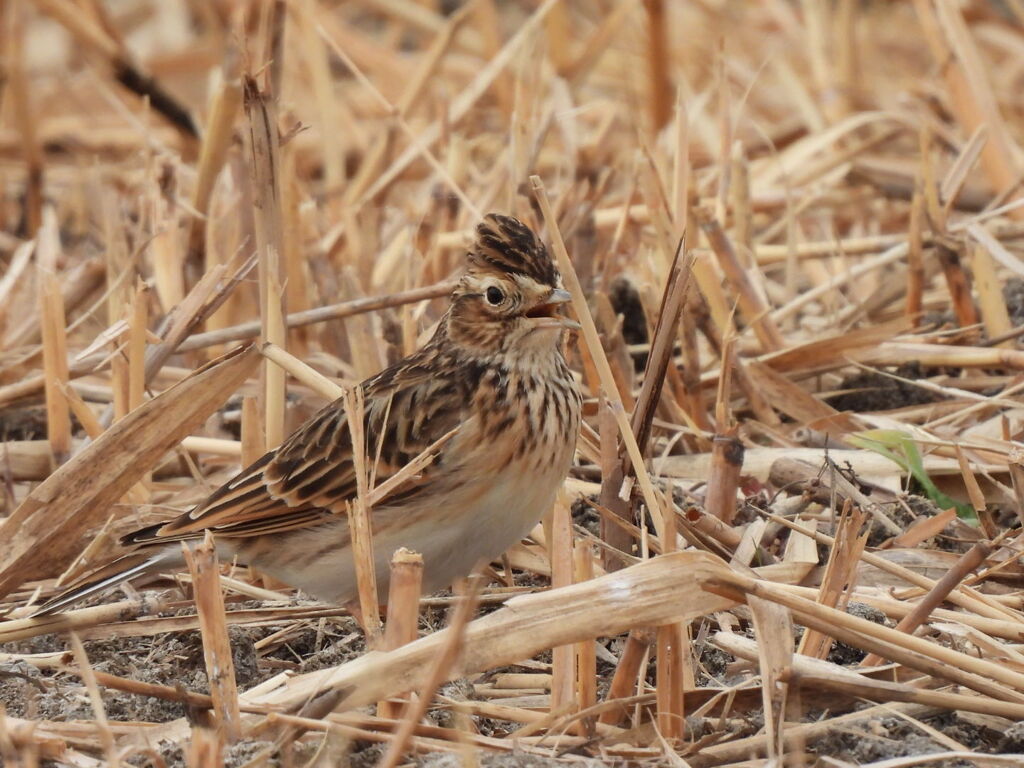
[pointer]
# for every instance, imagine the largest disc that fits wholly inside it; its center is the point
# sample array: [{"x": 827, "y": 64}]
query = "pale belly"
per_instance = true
[{"x": 476, "y": 524}]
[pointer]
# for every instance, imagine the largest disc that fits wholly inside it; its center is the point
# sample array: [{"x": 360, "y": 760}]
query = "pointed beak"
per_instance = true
[{"x": 546, "y": 315}]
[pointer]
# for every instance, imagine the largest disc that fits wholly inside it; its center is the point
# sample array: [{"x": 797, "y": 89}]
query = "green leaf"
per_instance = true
[{"x": 900, "y": 448}]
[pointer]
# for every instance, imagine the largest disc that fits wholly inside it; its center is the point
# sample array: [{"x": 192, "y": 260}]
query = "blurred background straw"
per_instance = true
[{"x": 794, "y": 234}]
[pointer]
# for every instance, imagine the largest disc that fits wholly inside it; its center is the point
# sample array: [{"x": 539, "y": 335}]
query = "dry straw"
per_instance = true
[{"x": 794, "y": 245}]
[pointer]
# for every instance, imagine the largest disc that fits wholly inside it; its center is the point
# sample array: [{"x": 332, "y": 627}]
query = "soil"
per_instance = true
[
  {"x": 841, "y": 653},
  {"x": 27, "y": 423},
  {"x": 1013, "y": 295},
  {"x": 171, "y": 659},
  {"x": 625, "y": 299},
  {"x": 177, "y": 658},
  {"x": 890, "y": 737},
  {"x": 875, "y": 392},
  {"x": 585, "y": 516},
  {"x": 499, "y": 760},
  {"x": 899, "y": 515}
]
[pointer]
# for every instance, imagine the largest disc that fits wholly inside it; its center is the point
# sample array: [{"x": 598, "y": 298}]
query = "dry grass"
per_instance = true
[{"x": 792, "y": 232}]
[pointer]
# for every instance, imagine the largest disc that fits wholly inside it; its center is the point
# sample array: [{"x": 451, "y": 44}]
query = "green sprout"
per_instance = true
[{"x": 900, "y": 448}]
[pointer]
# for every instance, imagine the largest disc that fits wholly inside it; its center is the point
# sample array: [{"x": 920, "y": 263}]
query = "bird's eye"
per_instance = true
[{"x": 494, "y": 296}]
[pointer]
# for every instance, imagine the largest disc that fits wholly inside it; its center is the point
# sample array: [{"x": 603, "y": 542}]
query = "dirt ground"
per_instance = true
[{"x": 175, "y": 659}]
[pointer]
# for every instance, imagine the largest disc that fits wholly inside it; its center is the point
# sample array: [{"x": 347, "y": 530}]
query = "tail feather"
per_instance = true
[{"x": 116, "y": 573}]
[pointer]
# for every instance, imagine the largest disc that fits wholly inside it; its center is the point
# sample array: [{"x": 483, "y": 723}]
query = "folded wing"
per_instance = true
[{"x": 312, "y": 477}]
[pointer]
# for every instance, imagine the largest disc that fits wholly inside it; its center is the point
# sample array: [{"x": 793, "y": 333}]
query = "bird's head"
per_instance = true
[{"x": 511, "y": 296}]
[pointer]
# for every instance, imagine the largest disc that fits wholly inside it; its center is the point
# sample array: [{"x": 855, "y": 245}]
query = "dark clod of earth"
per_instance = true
[
  {"x": 625, "y": 300},
  {"x": 875, "y": 392},
  {"x": 1013, "y": 295}
]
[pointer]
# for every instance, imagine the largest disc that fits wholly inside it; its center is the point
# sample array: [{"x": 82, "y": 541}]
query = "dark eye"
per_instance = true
[{"x": 494, "y": 295}]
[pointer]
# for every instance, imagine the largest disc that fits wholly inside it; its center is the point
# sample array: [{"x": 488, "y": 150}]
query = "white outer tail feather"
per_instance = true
[{"x": 162, "y": 559}]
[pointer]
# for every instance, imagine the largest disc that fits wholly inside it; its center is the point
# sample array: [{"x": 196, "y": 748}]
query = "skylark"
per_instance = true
[{"x": 493, "y": 372}]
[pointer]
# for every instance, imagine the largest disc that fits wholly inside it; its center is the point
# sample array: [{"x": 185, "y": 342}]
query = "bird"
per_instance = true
[{"x": 490, "y": 393}]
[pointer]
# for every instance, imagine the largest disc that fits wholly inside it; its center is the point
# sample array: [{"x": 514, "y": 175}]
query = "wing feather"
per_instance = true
[{"x": 311, "y": 476}]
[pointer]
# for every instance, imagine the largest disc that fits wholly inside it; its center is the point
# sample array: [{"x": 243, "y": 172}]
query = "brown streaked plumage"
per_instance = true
[{"x": 492, "y": 379}]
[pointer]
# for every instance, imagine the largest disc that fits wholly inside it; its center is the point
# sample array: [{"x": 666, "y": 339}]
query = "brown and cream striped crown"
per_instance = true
[{"x": 506, "y": 244}]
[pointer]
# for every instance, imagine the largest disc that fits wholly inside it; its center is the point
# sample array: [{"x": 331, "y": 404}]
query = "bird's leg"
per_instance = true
[{"x": 352, "y": 606}]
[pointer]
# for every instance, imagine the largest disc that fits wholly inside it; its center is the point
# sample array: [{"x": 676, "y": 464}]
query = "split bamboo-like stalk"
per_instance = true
[
  {"x": 217, "y": 138},
  {"x": 840, "y": 576},
  {"x": 264, "y": 149},
  {"x": 723, "y": 481},
  {"x": 253, "y": 445},
  {"x": 24, "y": 115},
  {"x": 586, "y": 657},
  {"x": 959, "y": 285},
  {"x": 440, "y": 670},
  {"x": 54, "y": 336},
  {"x": 403, "y": 611},
  {"x": 990, "y": 295},
  {"x": 915, "y": 255},
  {"x": 563, "y": 658},
  {"x": 658, "y": 64},
  {"x": 359, "y": 520},
  {"x": 55, "y": 367},
  {"x": 137, "y": 347},
  {"x": 220, "y": 667}
]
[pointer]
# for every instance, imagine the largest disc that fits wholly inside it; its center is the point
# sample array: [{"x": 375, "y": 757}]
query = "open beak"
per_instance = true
[{"x": 547, "y": 314}]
